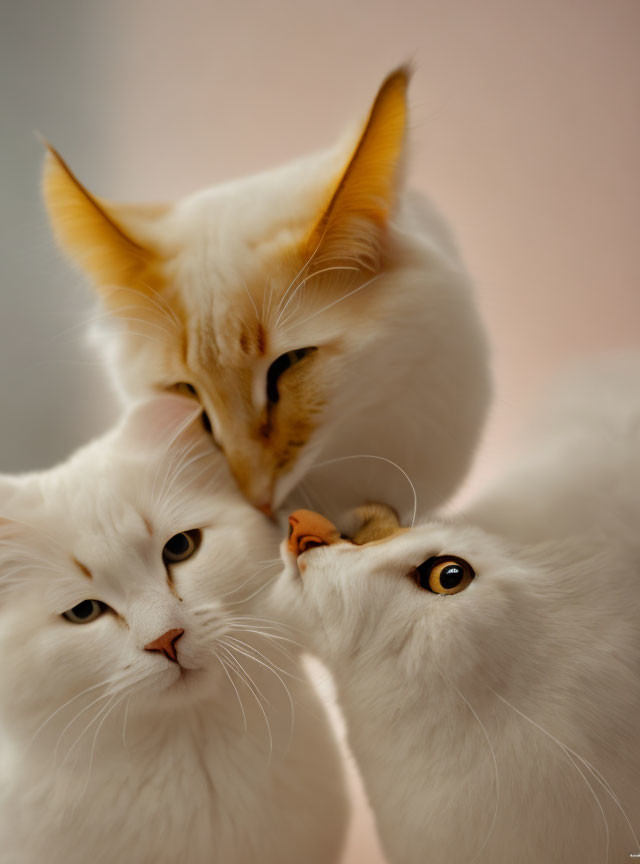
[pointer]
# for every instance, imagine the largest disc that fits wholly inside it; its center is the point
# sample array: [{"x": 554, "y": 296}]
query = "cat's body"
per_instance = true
[
  {"x": 502, "y": 723},
  {"x": 319, "y": 311},
  {"x": 109, "y": 750}
]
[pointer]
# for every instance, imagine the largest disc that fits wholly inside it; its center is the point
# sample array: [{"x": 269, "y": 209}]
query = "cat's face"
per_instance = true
[
  {"x": 436, "y": 598},
  {"x": 123, "y": 571},
  {"x": 277, "y": 301}
]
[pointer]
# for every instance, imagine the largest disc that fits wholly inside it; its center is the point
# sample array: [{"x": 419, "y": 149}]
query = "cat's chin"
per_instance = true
[{"x": 188, "y": 685}]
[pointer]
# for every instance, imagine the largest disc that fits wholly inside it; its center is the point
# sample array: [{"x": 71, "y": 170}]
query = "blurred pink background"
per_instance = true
[{"x": 525, "y": 127}]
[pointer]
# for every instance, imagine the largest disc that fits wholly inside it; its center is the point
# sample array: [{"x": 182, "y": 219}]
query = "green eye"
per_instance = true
[
  {"x": 85, "y": 612},
  {"x": 280, "y": 366},
  {"x": 181, "y": 546}
]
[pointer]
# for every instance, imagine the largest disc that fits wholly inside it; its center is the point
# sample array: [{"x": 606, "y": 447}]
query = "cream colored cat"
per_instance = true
[
  {"x": 153, "y": 706},
  {"x": 316, "y": 310},
  {"x": 488, "y": 664}
]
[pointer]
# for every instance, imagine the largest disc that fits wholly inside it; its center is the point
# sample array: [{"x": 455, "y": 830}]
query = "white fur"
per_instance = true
[
  {"x": 110, "y": 753},
  {"x": 502, "y": 723},
  {"x": 402, "y": 355}
]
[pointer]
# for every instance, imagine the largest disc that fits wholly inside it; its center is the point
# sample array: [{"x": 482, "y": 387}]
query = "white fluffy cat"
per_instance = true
[
  {"x": 488, "y": 664},
  {"x": 148, "y": 713},
  {"x": 317, "y": 311}
]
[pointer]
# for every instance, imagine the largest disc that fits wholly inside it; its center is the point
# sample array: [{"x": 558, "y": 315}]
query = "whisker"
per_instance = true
[
  {"x": 568, "y": 753},
  {"x": 382, "y": 459},
  {"x": 255, "y": 593},
  {"x": 253, "y": 302},
  {"x": 304, "y": 282},
  {"x": 58, "y": 710},
  {"x": 243, "y": 677},
  {"x": 244, "y": 716},
  {"x": 95, "y": 738},
  {"x": 493, "y": 756},
  {"x": 340, "y": 299}
]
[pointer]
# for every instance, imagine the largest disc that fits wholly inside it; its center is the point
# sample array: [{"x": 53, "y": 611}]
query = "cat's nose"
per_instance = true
[
  {"x": 308, "y": 529},
  {"x": 166, "y": 644}
]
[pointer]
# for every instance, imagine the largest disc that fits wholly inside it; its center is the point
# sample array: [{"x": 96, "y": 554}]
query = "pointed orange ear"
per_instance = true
[
  {"x": 352, "y": 224},
  {"x": 104, "y": 239}
]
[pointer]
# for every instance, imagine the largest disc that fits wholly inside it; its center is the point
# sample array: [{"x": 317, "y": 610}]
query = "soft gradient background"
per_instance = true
[{"x": 526, "y": 130}]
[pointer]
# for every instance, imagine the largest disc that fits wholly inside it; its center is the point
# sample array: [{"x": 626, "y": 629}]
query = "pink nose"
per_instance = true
[{"x": 166, "y": 644}]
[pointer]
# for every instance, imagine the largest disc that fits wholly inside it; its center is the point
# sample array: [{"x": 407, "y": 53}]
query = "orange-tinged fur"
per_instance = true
[
  {"x": 211, "y": 291},
  {"x": 128, "y": 271},
  {"x": 359, "y": 207}
]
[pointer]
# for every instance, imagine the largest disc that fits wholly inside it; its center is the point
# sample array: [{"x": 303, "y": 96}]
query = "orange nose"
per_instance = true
[
  {"x": 166, "y": 644},
  {"x": 308, "y": 529}
]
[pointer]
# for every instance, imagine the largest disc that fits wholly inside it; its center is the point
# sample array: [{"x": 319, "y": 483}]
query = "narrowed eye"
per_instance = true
[
  {"x": 445, "y": 574},
  {"x": 181, "y": 546},
  {"x": 185, "y": 389},
  {"x": 279, "y": 366},
  {"x": 189, "y": 390},
  {"x": 83, "y": 613}
]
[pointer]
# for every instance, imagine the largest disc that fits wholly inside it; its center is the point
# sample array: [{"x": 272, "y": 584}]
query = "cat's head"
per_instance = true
[
  {"x": 279, "y": 301},
  {"x": 444, "y": 599},
  {"x": 124, "y": 571}
]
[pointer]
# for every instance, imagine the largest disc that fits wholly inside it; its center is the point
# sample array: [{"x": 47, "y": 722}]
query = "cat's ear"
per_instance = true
[
  {"x": 111, "y": 242},
  {"x": 161, "y": 420},
  {"x": 353, "y": 222},
  {"x": 373, "y": 522}
]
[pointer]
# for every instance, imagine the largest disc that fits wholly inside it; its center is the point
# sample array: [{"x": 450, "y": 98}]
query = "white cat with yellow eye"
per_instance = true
[{"x": 487, "y": 663}]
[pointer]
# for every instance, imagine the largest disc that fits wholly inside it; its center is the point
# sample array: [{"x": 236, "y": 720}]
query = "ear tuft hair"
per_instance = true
[
  {"x": 108, "y": 241},
  {"x": 354, "y": 220}
]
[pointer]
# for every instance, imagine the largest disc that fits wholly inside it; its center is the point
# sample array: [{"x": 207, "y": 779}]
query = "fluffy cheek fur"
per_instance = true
[
  {"x": 57, "y": 658},
  {"x": 363, "y": 607}
]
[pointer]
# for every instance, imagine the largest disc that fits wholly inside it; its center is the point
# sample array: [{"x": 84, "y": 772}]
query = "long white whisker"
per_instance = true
[
  {"x": 304, "y": 282},
  {"x": 340, "y": 299},
  {"x": 382, "y": 459},
  {"x": 226, "y": 672},
  {"x": 251, "y": 684},
  {"x": 68, "y": 702},
  {"x": 568, "y": 753},
  {"x": 493, "y": 756}
]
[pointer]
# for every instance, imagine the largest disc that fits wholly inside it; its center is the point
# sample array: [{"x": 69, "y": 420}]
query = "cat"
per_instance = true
[
  {"x": 318, "y": 311},
  {"x": 487, "y": 663},
  {"x": 153, "y": 708}
]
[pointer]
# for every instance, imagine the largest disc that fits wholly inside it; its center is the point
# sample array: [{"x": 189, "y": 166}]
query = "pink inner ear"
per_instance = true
[{"x": 157, "y": 421}]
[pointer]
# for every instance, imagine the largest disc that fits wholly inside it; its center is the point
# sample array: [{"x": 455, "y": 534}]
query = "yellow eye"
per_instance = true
[{"x": 445, "y": 574}]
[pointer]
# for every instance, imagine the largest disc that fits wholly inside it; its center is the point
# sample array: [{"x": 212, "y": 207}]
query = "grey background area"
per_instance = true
[{"x": 54, "y": 81}]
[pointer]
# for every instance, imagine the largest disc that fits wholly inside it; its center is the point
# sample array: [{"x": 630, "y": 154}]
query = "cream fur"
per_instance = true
[
  {"x": 502, "y": 723},
  {"x": 401, "y": 372},
  {"x": 107, "y": 752}
]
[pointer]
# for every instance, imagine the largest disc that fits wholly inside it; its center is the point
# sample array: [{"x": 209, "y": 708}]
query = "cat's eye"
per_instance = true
[
  {"x": 181, "y": 546},
  {"x": 280, "y": 366},
  {"x": 444, "y": 574},
  {"x": 83, "y": 613},
  {"x": 185, "y": 389},
  {"x": 189, "y": 390}
]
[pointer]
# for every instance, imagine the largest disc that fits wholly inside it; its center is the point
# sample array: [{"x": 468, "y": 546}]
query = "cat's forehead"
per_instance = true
[
  {"x": 410, "y": 547},
  {"x": 253, "y": 210}
]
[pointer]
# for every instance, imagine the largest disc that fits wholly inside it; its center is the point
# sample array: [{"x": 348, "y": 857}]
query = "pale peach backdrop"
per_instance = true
[{"x": 525, "y": 129}]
